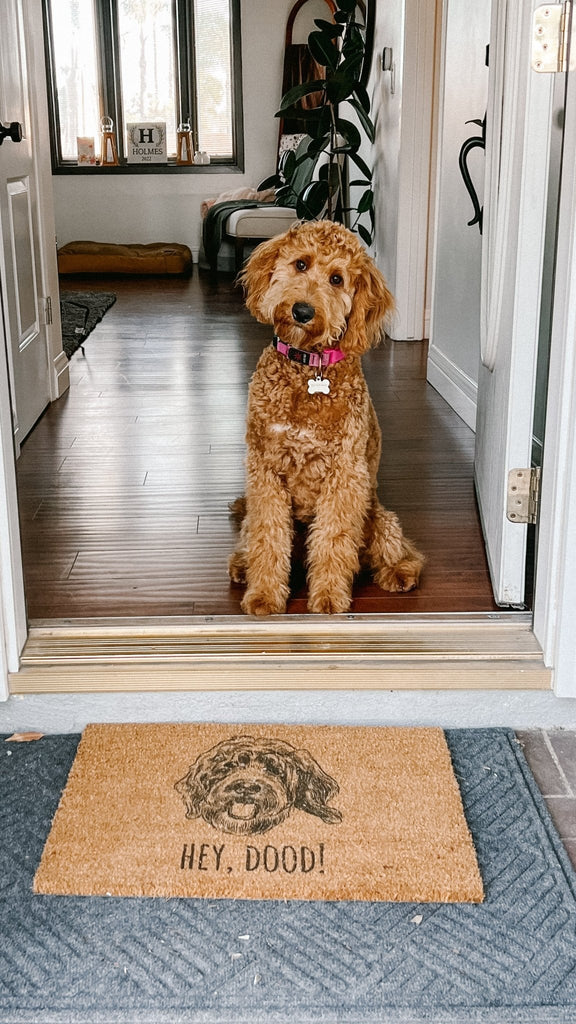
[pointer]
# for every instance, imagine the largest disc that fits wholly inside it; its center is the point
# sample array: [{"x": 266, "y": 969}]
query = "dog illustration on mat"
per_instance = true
[
  {"x": 247, "y": 786},
  {"x": 312, "y": 434}
]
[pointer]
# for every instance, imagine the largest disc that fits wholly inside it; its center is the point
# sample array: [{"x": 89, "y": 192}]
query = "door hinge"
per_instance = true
[
  {"x": 551, "y": 25},
  {"x": 523, "y": 495},
  {"x": 48, "y": 309}
]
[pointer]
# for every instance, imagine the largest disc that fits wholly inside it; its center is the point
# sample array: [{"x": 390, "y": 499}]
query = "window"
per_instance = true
[{"x": 168, "y": 61}]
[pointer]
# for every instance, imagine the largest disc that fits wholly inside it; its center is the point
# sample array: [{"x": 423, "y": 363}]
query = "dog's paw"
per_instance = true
[
  {"x": 237, "y": 568},
  {"x": 403, "y": 576},
  {"x": 325, "y": 603},
  {"x": 257, "y": 603}
]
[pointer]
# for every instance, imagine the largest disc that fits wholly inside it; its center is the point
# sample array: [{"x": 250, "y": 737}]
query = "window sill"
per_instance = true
[{"x": 213, "y": 168}]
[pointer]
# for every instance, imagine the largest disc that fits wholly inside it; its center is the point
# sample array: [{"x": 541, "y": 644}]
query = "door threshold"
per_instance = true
[{"x": 440, "y": 651}]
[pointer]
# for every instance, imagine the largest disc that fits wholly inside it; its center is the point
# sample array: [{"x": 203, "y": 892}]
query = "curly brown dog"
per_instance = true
[{"x": 312, "y": 433}]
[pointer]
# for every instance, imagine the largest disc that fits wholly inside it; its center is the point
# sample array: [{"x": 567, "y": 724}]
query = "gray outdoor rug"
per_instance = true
[{"x": 511, "y": 960}]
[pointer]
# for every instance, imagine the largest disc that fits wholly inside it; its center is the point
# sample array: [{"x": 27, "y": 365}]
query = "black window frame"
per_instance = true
[{"x": 110, "y": 91}]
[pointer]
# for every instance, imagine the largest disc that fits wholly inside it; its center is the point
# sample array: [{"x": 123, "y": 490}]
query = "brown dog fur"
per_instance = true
[{"x": 314, "y": 457}]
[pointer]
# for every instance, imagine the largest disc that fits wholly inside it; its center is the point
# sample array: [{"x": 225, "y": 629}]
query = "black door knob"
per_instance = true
[{"x": 12, "y": 131}]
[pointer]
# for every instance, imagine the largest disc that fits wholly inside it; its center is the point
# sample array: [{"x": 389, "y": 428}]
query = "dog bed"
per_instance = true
[{"x": 113, "y": 258}]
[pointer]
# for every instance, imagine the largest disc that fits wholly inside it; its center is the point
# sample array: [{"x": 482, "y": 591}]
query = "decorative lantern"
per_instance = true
[
  {"x": 109, "y": 153},
  {"x": 184, "y": 144}
]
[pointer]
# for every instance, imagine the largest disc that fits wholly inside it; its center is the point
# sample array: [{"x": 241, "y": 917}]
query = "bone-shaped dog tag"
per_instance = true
[{"x": 318, "y": 385}]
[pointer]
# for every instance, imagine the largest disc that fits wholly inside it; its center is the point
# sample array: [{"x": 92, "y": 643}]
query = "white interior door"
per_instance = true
[
  {"x": 19, "y": 228},
  {"x": 516, "y": 182}
]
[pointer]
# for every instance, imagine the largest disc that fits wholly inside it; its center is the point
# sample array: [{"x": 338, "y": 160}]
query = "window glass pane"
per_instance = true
[
  {"x": 214, "y": 76},
  {"x": 148, "y": 71},
  {"x": 76, "y": 72}
]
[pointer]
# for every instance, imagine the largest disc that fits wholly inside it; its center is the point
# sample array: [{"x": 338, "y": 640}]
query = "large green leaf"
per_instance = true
[
  {"x": 351, "y": 66},
  {"x": 361, "y": 165},
  {"x": 366, "y": 201},
  {"x": 313, "y": 200},
  {"x": 323, "y": 50},
  {"x": 329, "y": 28},
  {"x": 316, "y": 146},
  {"x": 361, "y": 93},
  {"x": 272, "y": 182},
  {"x": 349, "y": 6},
  {"x": 287, "y": 164},
  {"x": 350, "y": 133},
  {"x": 304, "y": 89},
  {"x": 365, "y": 121},
  {"x": 365, "y": 235},
  {"x": 285, "y": 196}
]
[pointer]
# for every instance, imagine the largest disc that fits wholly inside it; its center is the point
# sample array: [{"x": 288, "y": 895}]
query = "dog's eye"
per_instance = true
[
  {"x": 336, "y": 280},
  {"x": 271, "y": 766},
  {"x": 301, "y": 265}
]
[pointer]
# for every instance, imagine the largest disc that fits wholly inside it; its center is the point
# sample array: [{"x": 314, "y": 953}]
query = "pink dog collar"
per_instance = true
[{"x": 298, "y": 355}]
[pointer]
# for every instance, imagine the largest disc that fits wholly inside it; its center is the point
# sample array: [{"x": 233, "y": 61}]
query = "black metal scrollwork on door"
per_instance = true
[{"x": 474, "y": 142}]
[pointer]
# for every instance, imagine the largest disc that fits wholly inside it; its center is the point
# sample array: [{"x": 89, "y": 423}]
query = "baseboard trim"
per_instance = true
[
  {"x": 459, "y": 390},
  {"x": 61, "y": 375}
]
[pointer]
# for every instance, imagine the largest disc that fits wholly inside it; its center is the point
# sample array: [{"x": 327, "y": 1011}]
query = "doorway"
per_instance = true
[{"x": 125, "y": 482}]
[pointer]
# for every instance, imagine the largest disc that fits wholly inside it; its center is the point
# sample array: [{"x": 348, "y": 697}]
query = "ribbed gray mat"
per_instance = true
[{"x": 512, "y": 960}]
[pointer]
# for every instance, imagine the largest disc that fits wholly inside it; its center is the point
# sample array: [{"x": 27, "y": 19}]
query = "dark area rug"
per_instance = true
[
  {"x": 510, "y": 960},
  {"x": 80, "y": 312}
]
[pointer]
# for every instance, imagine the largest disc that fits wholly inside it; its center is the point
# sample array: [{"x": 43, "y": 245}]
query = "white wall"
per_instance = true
[
  {"x": 402, "y": 102},
  {"x": 165, "y": 207},
  {"x": 455, "y": 320},
  {"x": 386, "y": 110}
]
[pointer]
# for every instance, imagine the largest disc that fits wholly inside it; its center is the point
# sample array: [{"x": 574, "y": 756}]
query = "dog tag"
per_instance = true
[{"x": 318, "y": 385}]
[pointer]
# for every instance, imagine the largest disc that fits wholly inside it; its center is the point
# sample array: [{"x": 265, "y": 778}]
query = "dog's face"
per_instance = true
[
  {"x": 318, "y": 287},
  {"x": 246, "y": 786}
]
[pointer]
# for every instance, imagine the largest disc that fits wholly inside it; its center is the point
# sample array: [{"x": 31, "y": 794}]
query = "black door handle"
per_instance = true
[
  {"x": 12, "y": 131},
  {"x": 474, "y": 142}
]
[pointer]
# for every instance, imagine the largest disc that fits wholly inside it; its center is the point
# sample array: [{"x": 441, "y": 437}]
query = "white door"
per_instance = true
[
  {"x": 518, "y": 132},
  {"x": 19, "y": 229}
]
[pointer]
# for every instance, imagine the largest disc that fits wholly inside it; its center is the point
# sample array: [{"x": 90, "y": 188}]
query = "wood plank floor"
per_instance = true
[{"x": 125, "y": 481}]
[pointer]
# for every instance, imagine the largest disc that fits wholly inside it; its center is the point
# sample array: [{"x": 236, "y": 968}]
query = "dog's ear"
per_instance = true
[
  {"x": 192, "y": 791},
  {"x": 256, "y": 275},
  {"x": 314, "y": 788},
  {"x": 373, "y": 302}
]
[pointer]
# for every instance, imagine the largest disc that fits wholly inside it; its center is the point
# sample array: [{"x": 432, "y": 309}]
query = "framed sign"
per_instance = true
[{"x": 146, "y": 142}]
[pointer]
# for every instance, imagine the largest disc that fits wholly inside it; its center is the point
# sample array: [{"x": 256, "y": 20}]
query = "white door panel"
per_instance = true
[
  {"x": 517, "y": 161},
  {"x": 20, "y": 256}
]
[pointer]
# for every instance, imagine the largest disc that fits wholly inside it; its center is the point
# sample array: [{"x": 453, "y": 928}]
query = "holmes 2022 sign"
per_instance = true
[{"x": 146, "y": 142}]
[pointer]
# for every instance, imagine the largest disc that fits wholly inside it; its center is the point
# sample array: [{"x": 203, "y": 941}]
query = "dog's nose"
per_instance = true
[
  {"x": 244, "y": 789},
  {"x": 303, "y": 312}
]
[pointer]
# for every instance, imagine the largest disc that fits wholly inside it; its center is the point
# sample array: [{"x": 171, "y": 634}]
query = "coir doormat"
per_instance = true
[{"x": 262, "y": 812}]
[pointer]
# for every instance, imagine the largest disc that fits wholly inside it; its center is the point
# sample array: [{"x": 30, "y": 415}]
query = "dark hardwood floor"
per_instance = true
[{"x": 125, "y": 481}]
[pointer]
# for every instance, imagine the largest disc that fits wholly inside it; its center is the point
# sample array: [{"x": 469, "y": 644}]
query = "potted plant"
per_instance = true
[{"x": 316, "y": 179}]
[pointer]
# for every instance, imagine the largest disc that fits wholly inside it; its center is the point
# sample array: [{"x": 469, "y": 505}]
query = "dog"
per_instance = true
[
  {"x": 247, "y": 786},
  {"x": 312, "y": 434}
]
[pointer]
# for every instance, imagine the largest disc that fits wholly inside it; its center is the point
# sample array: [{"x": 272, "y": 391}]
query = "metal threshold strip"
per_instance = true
[{"x": 433, "y": 651}]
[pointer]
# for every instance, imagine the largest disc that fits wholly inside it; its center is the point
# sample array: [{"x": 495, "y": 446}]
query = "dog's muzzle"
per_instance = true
[
  {"x": 242, "y": 800},
  {"x": 303, "y": 312}
]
